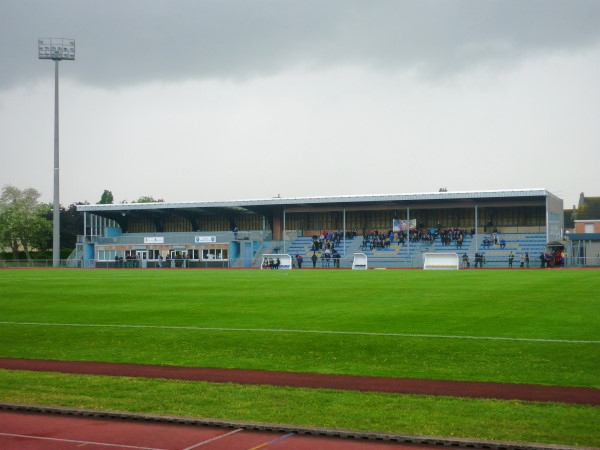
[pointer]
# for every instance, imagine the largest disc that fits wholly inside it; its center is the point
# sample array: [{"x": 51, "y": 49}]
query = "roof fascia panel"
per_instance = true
[{"x": 347, "y": 199}]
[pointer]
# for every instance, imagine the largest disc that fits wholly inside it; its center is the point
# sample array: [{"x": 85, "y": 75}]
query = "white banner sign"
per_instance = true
[
  {"x": 404, "y": 225},
  {"x": 154, "y": 240},
  {"x": 199, "y": 239}
]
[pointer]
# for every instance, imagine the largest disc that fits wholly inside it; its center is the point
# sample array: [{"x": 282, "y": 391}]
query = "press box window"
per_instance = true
[
  {"x": 106, "y": 255},
  {"x": 215, "y": 254}
]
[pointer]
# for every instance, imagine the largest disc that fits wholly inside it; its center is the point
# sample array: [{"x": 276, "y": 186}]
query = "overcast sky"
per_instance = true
[{"x": 220, "y": 100}]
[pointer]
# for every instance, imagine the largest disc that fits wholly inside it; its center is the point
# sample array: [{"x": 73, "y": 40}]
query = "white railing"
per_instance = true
[
  {"x": 590, "y": 261},
  {"x": 38, "y": 263}
]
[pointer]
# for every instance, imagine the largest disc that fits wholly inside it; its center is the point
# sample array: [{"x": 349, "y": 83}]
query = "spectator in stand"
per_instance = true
[{"x": 502, "y": 243}]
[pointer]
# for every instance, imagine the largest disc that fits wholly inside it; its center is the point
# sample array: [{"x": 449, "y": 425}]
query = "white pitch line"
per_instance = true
[
  {"x": 275, "y": 330},
  {"x": 77, "y": 442},
  {"x": 216, "y": 438}
]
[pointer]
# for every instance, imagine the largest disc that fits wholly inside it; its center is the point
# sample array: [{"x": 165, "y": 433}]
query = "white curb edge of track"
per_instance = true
[{"x": 327, "y": 432}]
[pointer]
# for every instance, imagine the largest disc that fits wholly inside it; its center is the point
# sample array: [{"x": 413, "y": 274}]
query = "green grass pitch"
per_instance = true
[{"x": 519, "y": 326}]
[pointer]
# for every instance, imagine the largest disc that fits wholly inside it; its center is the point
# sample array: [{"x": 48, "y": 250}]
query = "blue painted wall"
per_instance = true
[{"x": 112, "y": 232}]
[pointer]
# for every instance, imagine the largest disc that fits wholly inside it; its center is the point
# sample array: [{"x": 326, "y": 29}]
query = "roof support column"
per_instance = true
[
  {"x": 284, "y": 230},
  {"x": 344, "y": 232},
  {"x": 408, "y": 231},
  {"x": 547, "y": 221},
  {"x": 476, "y": 226}
]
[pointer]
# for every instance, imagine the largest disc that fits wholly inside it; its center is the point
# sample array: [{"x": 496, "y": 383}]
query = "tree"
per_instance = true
[
  {"x": 22, "y": 220},
  {"x": 145, "y": 199},
  {"x": 71, "y": 225},
  {"x": 107, "y": 198}
]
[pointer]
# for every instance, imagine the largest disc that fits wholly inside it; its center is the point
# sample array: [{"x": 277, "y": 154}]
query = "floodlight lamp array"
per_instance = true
[{"x": 56, "y": 49}]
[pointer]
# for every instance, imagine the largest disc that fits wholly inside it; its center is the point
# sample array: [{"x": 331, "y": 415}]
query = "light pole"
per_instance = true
[{"x": 56, "y": 50}]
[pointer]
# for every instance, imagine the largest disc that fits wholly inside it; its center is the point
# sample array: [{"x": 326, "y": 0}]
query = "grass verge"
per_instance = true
[{"x": 518, "y": 421}]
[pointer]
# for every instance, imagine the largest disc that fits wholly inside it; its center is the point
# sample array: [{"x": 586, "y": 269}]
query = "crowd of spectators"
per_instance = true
[
  {"x": 377, "y": 240},
  {"x": 326, "y": 243},
  {"x": 447, "y": 236},
  {"x": 328, "y": 240}
]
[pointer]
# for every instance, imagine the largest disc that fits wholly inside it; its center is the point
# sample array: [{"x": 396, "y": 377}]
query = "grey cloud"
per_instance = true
[{"x": 133, "y": 41}]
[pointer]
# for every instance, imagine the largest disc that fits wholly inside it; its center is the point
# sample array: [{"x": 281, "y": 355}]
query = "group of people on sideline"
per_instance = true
[
  {"x": 271, "y": 263},
  {"x": 131, "y": 260},
  {"x": 547, "y": 259},
  {"x": 328, "y": 258}
]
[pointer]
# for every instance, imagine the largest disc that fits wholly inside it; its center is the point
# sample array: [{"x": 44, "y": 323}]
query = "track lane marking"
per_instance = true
[
  {"x": 78, "y": 442},
  {"x": 216, "y": 438},
  {"x": 275, "y": 330},
  {"x": 272, "y": 441}
]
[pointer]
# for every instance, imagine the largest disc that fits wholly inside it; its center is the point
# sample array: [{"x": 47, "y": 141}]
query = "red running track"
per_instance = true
[
  {"x": 22, "y": 431},
  {"x": 475, "y": 389}
]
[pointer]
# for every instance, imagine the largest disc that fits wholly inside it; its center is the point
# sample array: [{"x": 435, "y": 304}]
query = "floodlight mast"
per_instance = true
[{"x": 56, "y": 50}]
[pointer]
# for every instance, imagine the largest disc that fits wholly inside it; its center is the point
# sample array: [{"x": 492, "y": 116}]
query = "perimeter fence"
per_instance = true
[
  {"x": 571, "y": 262},
  {"x": 93, "y": 264}
]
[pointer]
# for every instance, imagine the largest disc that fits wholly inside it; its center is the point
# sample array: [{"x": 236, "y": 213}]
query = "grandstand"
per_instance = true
[
  {"x": 405, "y": 255},
  {"x": 532, "y": 243},
  {"x": 235, "y": 234}
]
